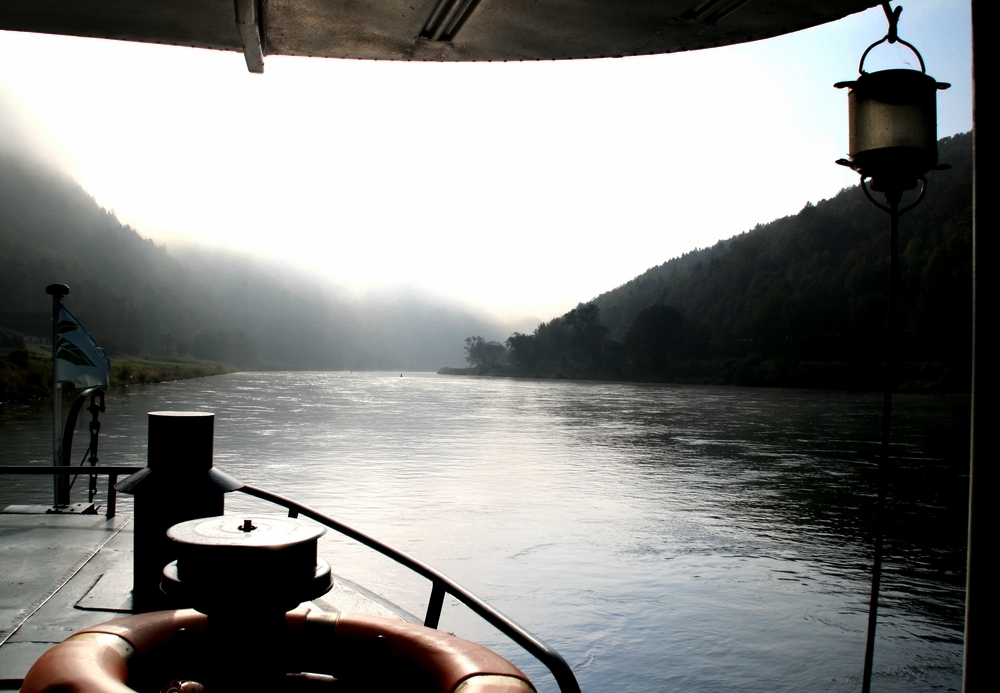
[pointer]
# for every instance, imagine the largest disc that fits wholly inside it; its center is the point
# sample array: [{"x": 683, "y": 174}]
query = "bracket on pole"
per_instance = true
[{"x": 250, "y": 23}]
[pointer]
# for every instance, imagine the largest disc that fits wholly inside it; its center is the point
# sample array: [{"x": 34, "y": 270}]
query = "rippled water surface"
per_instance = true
[{"x": 660, "y": 537}]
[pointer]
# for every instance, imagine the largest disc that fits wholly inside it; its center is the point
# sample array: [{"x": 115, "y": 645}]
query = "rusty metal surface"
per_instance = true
[{"x": 445, "y": 30}]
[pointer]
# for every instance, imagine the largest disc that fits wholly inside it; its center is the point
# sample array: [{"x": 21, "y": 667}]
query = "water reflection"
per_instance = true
[
  {"x": 798, "y": 469},
  {"x": 661, "y": 537}
]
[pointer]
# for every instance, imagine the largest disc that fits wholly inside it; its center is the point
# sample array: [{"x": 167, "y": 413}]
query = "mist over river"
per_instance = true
[{"x": 660, "y": 537}]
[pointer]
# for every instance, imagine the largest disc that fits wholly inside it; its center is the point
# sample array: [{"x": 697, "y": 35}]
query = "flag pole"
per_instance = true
[{"x": 60, "y": 482}]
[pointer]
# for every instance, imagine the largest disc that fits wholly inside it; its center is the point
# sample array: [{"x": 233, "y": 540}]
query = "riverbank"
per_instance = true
[
  {"x": 26, "y": 374},
  {"x": 916, "y": 377}
]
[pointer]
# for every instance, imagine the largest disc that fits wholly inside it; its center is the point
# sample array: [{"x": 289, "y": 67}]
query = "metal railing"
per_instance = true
[
  {"x": 441, "y": 585},
  {"x": 111, "y": 472}
]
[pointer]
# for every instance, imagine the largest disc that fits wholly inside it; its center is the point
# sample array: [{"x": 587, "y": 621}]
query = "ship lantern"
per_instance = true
[
  {"x": 892, "y": 116},
  {"x": 893, "y": 144}
]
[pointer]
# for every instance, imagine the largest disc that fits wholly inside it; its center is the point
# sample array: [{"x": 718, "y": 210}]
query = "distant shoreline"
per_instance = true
[
  {"x": 448, "y": 370},
  {"x": 26, "y": 374},
  {"x": 850, "y": 376}
]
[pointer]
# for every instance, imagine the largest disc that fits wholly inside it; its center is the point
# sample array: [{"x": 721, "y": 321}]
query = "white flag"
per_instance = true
[{"x": 79, "y": 361}]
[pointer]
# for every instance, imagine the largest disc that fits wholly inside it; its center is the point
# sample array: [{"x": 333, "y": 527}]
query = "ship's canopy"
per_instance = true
[{"x": 442, "y": 30}]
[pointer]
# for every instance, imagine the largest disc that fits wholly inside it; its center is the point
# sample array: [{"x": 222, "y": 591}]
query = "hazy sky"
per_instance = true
[{"x": 519, "y": 188}]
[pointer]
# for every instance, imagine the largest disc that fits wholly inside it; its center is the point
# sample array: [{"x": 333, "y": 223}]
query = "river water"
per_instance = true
[{"x": 660, "y": 537}]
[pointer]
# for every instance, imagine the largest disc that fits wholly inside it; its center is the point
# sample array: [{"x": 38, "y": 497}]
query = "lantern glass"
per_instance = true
[
  {"x": 893, "y": 126},
  {"x": 878, "y": 122}
]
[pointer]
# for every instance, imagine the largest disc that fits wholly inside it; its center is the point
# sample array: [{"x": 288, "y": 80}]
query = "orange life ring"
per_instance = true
[{"x": 96, "y": 660}]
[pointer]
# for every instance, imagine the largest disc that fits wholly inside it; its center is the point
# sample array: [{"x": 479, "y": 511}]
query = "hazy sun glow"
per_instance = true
[{"x": 520, "y": 189}]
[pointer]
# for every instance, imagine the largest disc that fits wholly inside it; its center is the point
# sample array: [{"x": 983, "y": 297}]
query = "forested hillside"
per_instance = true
[
  {"x": 799, "y": 301},
  {"x": 135, "y": 297}
]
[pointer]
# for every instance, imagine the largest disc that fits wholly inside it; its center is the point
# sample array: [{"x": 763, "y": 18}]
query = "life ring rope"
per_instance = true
[{"x": 487, "y": 683}]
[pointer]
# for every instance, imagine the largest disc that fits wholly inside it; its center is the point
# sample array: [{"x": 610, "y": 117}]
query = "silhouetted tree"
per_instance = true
[
  {"x": 589, "y": 332},
  {"x": 168, "y": 343},
  {"x": 524, "y": 350},
  {"x": 479, "y": 352},
  {"x": 655, "y": 337}
]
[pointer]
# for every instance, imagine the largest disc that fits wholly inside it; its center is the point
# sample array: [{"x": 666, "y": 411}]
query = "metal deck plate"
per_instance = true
[
  {"x": 47, "y": 564},
  {"x": 112, "y": 592}
]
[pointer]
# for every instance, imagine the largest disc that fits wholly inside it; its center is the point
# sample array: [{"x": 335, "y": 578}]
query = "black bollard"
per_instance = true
[{"x": 178, "y": 484}]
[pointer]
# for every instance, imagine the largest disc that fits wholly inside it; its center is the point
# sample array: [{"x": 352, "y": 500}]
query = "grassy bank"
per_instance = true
[
  {"x": 26, "y": 374},
  {"x": 860, "y": 376}
]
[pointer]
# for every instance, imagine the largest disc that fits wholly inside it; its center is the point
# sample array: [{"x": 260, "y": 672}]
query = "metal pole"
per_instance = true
[
  {"x": 95, "y": 430},
  {"x": 112, "y": 495},
  {"x": 893, "y": 198},
  {"x": 979, "y": 669},
  {"x": 60, "y": 482}
]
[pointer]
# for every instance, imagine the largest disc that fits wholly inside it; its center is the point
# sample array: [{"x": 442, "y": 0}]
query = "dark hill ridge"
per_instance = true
[
  {"x": 796, "y": 302},
  {"x": 819, "y": 278},
  {"x": 136, "y": 297}
]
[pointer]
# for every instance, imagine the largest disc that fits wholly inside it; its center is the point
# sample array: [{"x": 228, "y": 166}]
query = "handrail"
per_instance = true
[
  {"x": 440, "y": 585},
  {"x": 38, "y": 469},
  {"x": 111, "y": 472}
]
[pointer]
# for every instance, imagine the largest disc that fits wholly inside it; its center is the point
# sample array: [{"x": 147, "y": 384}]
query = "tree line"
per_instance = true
[{"x": 800, "y": 301}]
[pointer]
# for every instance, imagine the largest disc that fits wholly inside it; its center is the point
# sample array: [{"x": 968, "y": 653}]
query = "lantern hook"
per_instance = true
[
  {"x": 892, "y": 16},
  {"x": 904, "y": 210},
  {"x": 892, "y": 36}
]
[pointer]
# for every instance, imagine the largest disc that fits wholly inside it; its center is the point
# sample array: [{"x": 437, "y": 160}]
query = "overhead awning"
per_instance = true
[{"x": 436, "y": 30}]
